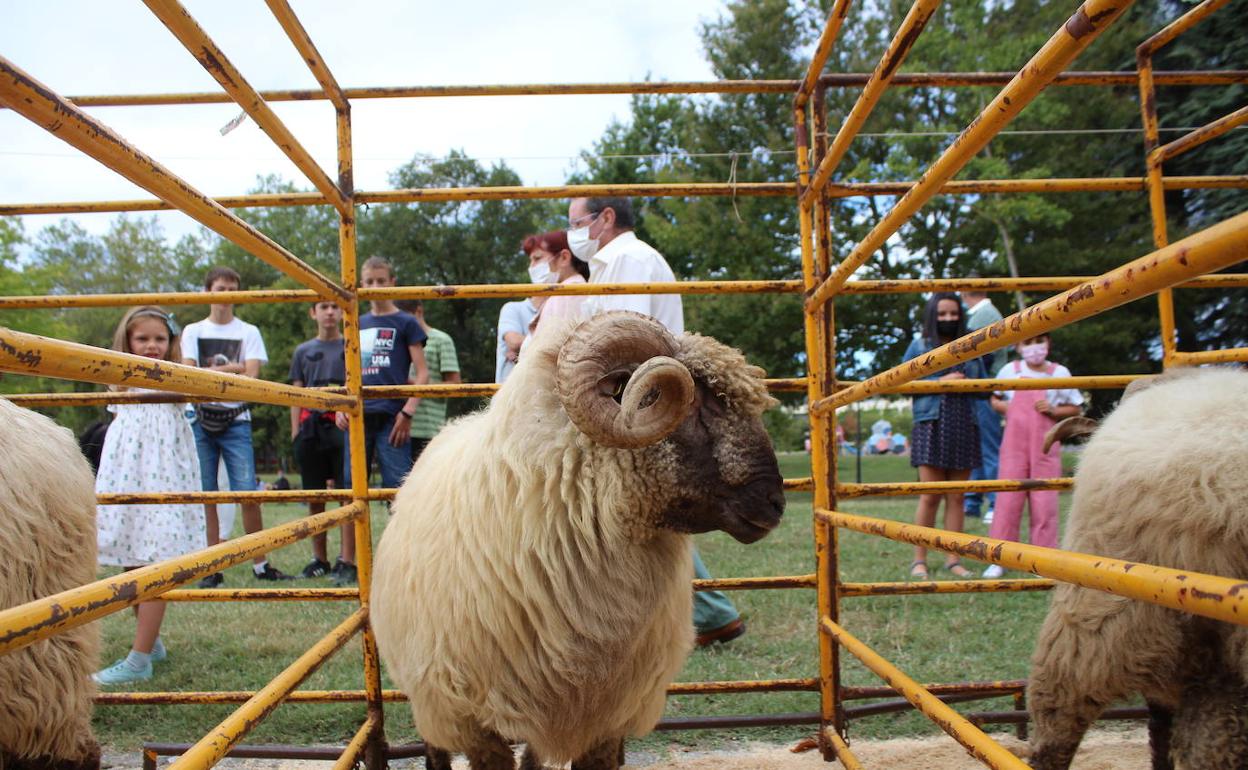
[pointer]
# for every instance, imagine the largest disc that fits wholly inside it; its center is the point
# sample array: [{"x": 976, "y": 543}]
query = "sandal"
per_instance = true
[
  {"x": 918, "y": 570},
  {"x": 956, "y": 569}
]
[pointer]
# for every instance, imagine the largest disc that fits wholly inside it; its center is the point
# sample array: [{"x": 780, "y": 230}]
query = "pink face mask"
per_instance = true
[{"x": 1035, "y": 354}]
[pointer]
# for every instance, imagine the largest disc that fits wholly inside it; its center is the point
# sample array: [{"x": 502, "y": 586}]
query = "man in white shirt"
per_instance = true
[
  {"x": 222, "y": 430},
  {"x": 600, "y": 232}
]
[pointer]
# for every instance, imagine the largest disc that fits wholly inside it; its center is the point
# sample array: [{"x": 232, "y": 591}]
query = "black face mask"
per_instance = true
[{"x": 947, "y": 329}]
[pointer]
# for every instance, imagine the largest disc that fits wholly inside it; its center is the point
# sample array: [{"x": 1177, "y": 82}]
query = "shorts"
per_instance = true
[{"x": 319, "y": 451}]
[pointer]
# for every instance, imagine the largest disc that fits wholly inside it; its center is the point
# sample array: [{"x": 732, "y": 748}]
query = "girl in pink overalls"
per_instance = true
[{"x": 1028, "y": 416}]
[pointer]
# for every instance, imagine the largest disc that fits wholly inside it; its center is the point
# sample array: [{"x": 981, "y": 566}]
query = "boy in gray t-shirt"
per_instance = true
[{"x": 318, "y": 442}]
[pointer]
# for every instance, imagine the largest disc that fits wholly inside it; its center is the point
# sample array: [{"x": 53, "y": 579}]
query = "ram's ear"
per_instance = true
[{"x": 1069, "y": 429}]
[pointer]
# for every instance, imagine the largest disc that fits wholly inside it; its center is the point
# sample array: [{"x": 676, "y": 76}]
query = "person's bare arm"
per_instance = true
[
  {"x": 403, "y": 421},
  {"x": 513, "y": 341},
  {"x": 999, "y": 405},
  {"x": 452, "y": 377}
]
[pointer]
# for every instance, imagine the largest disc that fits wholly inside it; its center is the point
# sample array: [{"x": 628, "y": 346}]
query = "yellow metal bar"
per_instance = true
[
  {"x": 1205, "y": 133},
  {"x": 171, "y": 298},
  {"x": 908, "y": 488},
  {"x": 822, "y": 466},
  {"x": 945, "y": 587},
  {"x": 28, "y": 623},
  {"x": 769, "y": 685},
  {"x": 841, "y": 748},
  {"x": 1214, "y": 248},
  {"x": 33, "y": 355},
  {"x": 214, "y": 746},
  {"x": 294, "y": 30},
  {"x": 52, "y": 112},
  {"x": 355, "y": 429},
  {"x": 501, "y": 290},
  {"x": 189, "y": 698},
  {"x": 261, "y": 594},
  {"x": 823, "y": 49},
  {"x": 744, "y": 189},
  {"x": 1154, "y": 185},
  {"x": 351, "y": 754},
  {"x": 1179, "y": 26},
  {"x": 754, "y": 583},
  {"x": 188, "y": 32},
  {"x": 1229, "y": 355},
  {"x": 892, "y": 286},
  {"x": 976, "y": 742},
  {"x": 1208, "y": 595},
  {"x": 1092, "y": 18},
  {"x": 898, "y": 48},
  {"x": 229, "y": 496},
  {"x": 833, "y": 80}
]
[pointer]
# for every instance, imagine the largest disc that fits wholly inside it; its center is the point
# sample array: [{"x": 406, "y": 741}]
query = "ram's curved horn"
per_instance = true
[
  {"x": 619, "y": 382},
  {"x": 1070, "y": 428}
]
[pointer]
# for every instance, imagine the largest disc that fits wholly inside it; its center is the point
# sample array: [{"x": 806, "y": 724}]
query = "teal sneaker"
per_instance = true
[
  {"x": 159, "y": 652},
  {"x": 122, "y": 672}
]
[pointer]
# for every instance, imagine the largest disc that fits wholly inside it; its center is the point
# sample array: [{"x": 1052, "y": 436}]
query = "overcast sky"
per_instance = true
[{"x": 81, "y": 47}]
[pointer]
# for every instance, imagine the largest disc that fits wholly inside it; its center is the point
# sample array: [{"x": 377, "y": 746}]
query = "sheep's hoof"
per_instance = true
[
  {"x": 608, "y": 755},
  {"x": 437, "y": 759}
]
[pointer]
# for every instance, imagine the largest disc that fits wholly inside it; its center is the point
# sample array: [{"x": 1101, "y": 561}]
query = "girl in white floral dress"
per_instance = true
[{"x": 148, "y": 448}]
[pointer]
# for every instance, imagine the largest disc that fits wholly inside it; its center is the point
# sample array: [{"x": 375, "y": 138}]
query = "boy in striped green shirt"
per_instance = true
[{"x": 443, "y": 367}]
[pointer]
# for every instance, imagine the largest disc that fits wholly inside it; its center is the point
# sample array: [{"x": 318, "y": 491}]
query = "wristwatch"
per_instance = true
[{"x": 407, "y": 414}]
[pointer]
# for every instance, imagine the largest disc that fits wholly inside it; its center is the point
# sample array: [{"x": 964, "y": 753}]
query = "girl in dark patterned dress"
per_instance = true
[{"x": 944, "y": 444}]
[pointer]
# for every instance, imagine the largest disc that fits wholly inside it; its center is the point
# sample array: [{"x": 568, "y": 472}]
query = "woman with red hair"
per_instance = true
[{"x": 552, "y": 262}]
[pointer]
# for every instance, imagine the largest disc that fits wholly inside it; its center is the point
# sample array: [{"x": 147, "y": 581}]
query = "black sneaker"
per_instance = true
[
  {"x": 338, "y": 564},
  {"x": 271, "y": 573},
  {"x": 214, "y": 580},
  {"x": 316, "y": 568},
  {"x": 348, "y": 575}
]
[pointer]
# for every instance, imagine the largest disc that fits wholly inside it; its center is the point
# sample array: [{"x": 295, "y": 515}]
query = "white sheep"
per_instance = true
[
  {"x": 47, "y": 545},
  {"x": 1164, "y": 481},
  {"x": 534, "y": 583}
]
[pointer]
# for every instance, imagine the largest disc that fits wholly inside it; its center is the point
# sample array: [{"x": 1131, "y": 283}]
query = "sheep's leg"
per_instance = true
[
  {"x": 90, "y": 761},
  {"x": 608, "y": 755},
  {"x": 437, "y": 759},
  {"x": 1160, "y": 722},
  {"x": 530, "y": 761},
  {"x": 491, "y": 751}
]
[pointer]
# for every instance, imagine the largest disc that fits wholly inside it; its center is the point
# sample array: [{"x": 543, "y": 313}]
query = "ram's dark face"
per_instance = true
[
  {"x": 691, "y": 410},
  {"x": 730, "y": 480}
]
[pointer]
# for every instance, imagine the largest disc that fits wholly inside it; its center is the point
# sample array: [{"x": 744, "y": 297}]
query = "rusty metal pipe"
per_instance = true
[
  {"x": 351, "y": 754},
  {"x": 1205, "y": 133},
  {"x": 754, "y": 583},
  {"x": 1092, "y": 18},
  {"x": 744, "y": 189},
  {"x": 60, "y": 117},
  {"x": 823, "y": 49},
  {"x": 214, "y": 746},
  {"x": 32, "y": 355},
  {"x": 193, "y": 37},
  {"x": 1179, "y": 26},
  {"x": 1214, "y": 248},
  {"x": 1208, "y": 595},
  {"x": 294, "y": 30},
  {"x": 908, "y": 488},
  {"x": 997, "y": 687},
  {"x": 28, "y": 623},
  {"x": 898, "y": 48},
  {"x": 976, "y": 742},
  {"x": 261, "y": 595},
  {"x": 944, "y": 587}
]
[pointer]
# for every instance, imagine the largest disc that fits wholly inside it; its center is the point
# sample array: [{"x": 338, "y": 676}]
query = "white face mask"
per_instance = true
[
  {"x": 540, "y": 273},
  {"x": 581, "y": 244},
  {"x": 1035, "y": 354}
]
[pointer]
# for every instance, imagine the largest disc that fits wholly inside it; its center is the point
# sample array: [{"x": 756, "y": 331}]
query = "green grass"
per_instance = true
[{"x": 240, "y": 646}]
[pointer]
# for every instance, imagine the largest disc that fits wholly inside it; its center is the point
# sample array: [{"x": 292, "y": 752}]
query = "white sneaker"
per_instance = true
[
  {"x": 994, "y": 571},
  {"x": 987, "y": 516}
]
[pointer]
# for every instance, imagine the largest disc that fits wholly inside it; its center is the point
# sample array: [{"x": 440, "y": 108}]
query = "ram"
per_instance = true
[
  {"x": 47, "y": 536},
  {"x": 534, "y": 583},
  {"x": 1164, "y": 481}
]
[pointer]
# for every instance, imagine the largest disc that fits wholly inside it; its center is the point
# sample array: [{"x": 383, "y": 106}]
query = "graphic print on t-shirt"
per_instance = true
[
  {"x": 214, "y": 352},
  {"x": 376, "y": 346}
]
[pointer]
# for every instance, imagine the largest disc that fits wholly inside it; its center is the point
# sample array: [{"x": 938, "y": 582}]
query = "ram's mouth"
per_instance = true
[{"x": 745, "y": 529}]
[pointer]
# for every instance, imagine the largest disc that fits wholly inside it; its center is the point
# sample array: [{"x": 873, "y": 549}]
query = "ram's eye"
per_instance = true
[{"x": 612, "y": 386}]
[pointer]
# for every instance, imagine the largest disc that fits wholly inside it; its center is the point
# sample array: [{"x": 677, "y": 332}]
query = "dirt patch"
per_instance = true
[{"x": 1100, "y": 751}]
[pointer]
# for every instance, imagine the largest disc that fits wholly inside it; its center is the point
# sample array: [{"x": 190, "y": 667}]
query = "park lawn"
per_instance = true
[{"x": 240, "y": 646}]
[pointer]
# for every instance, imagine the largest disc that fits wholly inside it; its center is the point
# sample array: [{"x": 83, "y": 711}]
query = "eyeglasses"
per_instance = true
[{"x": 575, "y": 223}]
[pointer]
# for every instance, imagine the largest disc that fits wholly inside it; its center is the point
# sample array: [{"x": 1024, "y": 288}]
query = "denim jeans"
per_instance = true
[
  {"x": 989, "y": 449},
  {"x": 395, "y": 461},
  {"x": 711, "y": 609},
  {"x": 234, "y": 445}
]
